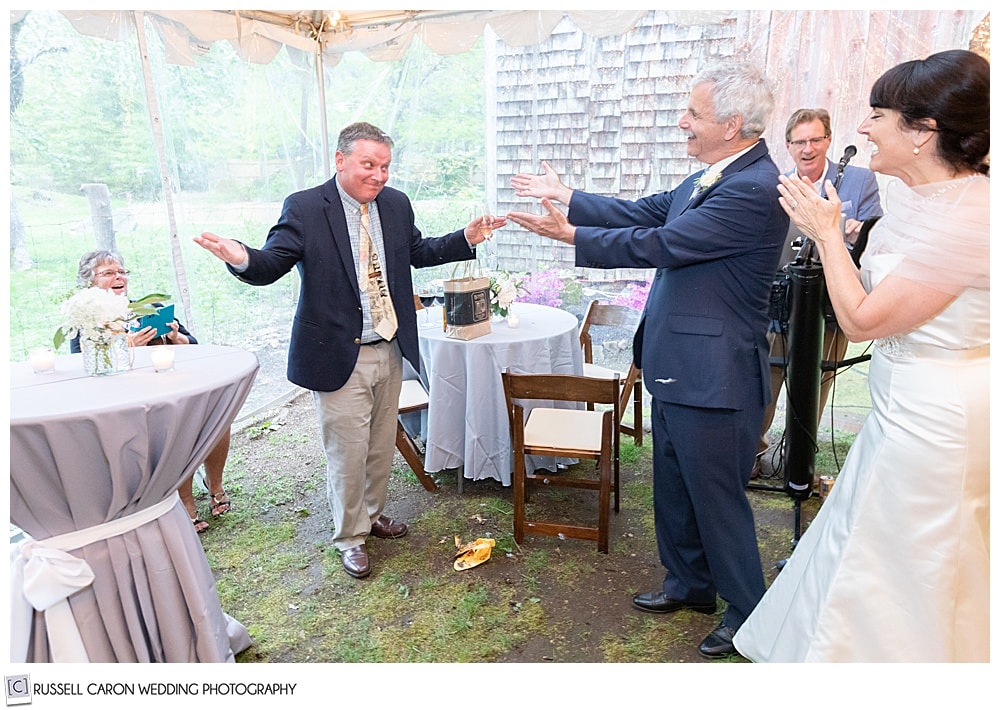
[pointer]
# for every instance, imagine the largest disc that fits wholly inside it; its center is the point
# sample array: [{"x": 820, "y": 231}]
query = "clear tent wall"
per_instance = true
[{"x": 601, "y": 103}]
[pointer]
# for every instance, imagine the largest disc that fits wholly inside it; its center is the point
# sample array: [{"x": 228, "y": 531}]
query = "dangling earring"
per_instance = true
[{"x": 916, "y": 151}]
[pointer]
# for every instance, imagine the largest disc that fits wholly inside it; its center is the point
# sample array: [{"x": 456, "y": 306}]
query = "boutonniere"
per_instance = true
[{"x": 706, "y": 180}]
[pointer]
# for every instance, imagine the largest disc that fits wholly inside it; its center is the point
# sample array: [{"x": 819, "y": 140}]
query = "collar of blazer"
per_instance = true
[
  {"x": 758, "y": 151},
  {"x": 388, "y": 218},
  {"x": 341, "y": 238}
]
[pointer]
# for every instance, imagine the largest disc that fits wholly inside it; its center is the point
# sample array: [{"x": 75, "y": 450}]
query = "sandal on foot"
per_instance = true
[
  {"x": 200, "y": 525},
  {"x": 220, "y": 504}
]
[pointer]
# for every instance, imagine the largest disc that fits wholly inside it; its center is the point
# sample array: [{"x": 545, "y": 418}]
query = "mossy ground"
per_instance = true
[{"x": 548, "y": 600}]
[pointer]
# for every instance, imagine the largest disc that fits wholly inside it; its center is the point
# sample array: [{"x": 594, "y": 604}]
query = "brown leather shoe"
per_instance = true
[
  {"x": 388, "y": 528},
  {"x": 355, "y": 562}
]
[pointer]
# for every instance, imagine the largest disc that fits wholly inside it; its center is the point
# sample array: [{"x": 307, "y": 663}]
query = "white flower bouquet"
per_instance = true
[
  {"x": 504, "y": 290},
  {"x": 98, "y": 315}
]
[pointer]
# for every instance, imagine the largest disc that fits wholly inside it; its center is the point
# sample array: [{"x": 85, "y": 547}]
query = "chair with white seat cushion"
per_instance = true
[{"x": 569, "y": 433}]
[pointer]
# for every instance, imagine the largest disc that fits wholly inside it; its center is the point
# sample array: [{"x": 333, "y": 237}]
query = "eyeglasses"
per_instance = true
[
  {"x": 811, "y": 141},
  {"x": 116, "y": 272}
]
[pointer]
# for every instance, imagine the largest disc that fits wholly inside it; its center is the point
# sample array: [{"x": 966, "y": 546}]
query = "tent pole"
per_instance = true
[
  {"x": 156, "y": 121},
  {"x": 322, "y": 108}
]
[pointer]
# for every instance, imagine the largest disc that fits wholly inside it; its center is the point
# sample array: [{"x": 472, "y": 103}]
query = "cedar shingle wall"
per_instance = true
[{"x": 603, "y": 112}]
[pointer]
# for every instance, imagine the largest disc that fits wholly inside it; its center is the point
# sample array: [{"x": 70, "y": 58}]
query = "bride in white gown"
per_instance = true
[{"x": 895, "y": 566}]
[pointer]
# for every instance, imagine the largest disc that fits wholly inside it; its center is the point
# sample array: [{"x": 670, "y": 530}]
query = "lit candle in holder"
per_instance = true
[
  {"x": 42, "y": 360},
  {"x": 513, "y": 321},
  {"x": 162, "y": 357}
]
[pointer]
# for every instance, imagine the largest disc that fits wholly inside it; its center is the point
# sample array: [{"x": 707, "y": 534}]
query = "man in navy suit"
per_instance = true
[
  {"x": 353, "y": 241},
  {"x": 807, "y": 138},
  {"x": 714, "y": 241}
]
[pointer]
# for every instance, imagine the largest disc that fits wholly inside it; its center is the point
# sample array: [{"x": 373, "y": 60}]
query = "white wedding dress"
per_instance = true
[{"x": 895, "y": 566}]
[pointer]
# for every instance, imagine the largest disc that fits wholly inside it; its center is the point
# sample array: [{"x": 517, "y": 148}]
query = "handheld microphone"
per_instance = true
[{"x": 849, "y": 152}]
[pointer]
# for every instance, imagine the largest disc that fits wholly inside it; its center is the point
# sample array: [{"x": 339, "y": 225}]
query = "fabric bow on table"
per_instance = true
[{"x": 43, "y": 578}]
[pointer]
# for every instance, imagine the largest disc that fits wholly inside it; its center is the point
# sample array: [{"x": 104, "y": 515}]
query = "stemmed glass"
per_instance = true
[
  {"x": 427, "y": 299},
  {"x": 485, "y": 213}
]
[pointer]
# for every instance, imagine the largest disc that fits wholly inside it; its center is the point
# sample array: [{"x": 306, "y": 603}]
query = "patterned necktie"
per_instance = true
[{"x": 383, "y": 314}]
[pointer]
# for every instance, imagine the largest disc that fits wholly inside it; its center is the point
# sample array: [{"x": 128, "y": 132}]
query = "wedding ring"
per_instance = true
[{"x": 794, "y": 204}]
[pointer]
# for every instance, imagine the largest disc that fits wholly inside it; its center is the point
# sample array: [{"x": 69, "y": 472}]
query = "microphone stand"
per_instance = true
[
  {"x": 804, "y": 366},
  {"x": 807, "y": 290}
]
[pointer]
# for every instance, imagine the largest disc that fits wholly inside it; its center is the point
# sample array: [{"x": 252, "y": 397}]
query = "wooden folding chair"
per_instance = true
[
  {"x": 570, "y": 433},
  {"x": 412, "y": 398},
  {"x": 625, "y": 318}
]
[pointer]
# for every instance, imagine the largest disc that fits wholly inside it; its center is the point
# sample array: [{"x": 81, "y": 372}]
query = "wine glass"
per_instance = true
[
  {"x": 485, "y": 214},
  {"x": 427, "y": 298}
]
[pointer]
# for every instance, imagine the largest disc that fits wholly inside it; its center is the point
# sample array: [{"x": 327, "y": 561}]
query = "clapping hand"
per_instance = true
[{"x": 818, "y": 218}]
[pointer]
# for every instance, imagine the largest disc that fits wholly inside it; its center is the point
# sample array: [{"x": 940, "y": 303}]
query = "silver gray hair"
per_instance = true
[
  {"x": 91, "y": 260},
  {"x": 361, "y": 132},
  {"x": 740, "y": 89}
]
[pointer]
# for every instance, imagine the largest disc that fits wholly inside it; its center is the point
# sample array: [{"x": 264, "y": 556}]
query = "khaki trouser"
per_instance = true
[{"x": 358, "y": 425}]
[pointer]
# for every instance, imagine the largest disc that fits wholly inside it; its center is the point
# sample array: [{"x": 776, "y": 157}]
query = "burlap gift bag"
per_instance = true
[{"x": 467, "y": 307}]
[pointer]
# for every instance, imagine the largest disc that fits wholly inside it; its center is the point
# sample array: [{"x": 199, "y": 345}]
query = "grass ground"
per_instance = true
[{"x": 546, "y": 601}]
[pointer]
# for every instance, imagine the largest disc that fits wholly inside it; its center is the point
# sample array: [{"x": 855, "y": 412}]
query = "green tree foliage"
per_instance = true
[
  {"x": 84, "y": 116},
  {"x": 80, "y": 124}
]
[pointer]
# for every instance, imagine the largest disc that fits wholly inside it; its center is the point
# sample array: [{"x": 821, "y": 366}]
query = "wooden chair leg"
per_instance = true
[
  {"x": 412, "y": 455},
  {"x": 604, "y": 498},
  {"x": 637, "y": 413},
  {"x": 519, "y": 480},
  {"x": 519, "y": 503}
]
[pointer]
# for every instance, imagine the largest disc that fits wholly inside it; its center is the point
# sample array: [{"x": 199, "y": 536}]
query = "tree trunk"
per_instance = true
[
  {"x": 20, "y": 259},
  {"x": 100, "y": 214}
]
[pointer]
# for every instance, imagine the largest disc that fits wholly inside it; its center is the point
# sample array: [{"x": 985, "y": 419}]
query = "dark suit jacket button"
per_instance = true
[{"x": 357, "y": 341}]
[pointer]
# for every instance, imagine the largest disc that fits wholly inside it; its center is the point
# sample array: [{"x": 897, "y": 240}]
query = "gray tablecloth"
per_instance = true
[
  {"x": 467, "y": 423},
  {"x": 89, "y": 450}
]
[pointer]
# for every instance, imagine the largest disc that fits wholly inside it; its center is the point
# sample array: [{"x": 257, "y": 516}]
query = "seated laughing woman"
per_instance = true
[{"x": 106, "y": 270}]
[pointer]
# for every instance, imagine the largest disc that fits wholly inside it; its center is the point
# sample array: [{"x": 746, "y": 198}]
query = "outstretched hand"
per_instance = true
[
  {"x": 553, "y": 225},
  {"x": 818, "y": 218},
  {"x": 548, "y": 184},
  {"x": 228, "y": 250}
]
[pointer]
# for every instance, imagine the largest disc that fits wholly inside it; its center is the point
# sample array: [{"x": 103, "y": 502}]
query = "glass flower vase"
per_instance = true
[{"x": 105, "y": 354}]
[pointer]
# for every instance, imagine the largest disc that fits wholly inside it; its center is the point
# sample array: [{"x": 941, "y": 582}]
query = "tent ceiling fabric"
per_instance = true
[{"x": 382, "y": 35}]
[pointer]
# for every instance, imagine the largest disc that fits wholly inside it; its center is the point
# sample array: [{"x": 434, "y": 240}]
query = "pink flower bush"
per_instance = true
[
  {"x": 545, "y": 288},
  {"x": 634, "y": 295}
]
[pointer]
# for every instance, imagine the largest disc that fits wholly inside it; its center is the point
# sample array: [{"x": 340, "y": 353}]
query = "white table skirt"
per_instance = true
[
  {"x": 467, "y": 423},
  {"x": 86, "y": 451}
]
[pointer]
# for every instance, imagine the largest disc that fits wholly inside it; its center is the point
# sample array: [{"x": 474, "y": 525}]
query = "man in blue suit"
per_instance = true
[
  {"x": 807, "y": 138},
  {"x": 353, "y": 241},
  {"x": 715, "y": 241}
]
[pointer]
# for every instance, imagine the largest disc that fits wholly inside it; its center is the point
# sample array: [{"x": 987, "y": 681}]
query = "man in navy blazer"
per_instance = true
[
  {"x": 714, "y": 241},
  {"x": 352, "y": 364},
  {"x": 807, "y": 137}
]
